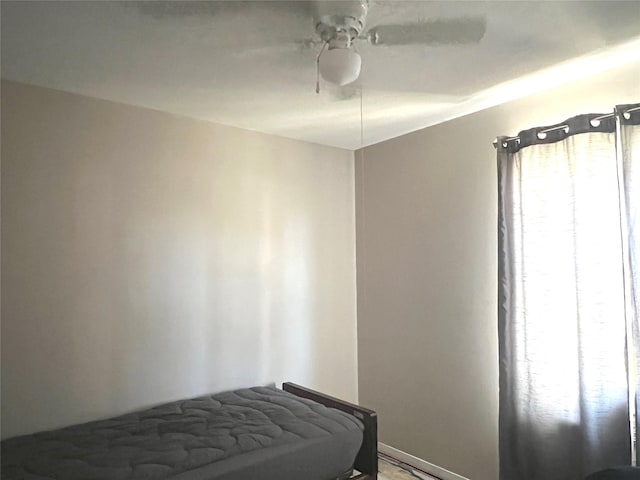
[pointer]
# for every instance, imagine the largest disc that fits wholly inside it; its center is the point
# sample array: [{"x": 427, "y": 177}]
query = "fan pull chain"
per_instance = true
[
  {"x": 361, "y": 120},
  {"x": 324, "y": 45}
]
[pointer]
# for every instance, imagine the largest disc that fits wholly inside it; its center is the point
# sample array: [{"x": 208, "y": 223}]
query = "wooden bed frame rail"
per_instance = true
[{"x": 367, "y": 459}]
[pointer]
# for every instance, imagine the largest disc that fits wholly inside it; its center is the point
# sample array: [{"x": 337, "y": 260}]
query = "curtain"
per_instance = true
[
  {"x": 566, "y": 265},
  {"x": 630, "y": 153}
]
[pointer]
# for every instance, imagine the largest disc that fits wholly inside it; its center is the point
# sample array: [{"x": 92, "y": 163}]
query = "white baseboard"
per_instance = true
[{"x": 423, "y": 465}]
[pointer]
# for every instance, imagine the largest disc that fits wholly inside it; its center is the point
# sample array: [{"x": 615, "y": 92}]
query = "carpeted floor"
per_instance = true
[{"x": 388, "y": 471}]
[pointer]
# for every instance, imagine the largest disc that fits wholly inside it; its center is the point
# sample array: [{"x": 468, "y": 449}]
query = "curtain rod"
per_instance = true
[{"x": 594, "y": 123}]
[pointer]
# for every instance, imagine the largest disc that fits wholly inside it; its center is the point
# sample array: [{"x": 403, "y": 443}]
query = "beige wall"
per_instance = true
[
  {"x": 426, "y": 249},
  {"x": 147, "y": 257}
]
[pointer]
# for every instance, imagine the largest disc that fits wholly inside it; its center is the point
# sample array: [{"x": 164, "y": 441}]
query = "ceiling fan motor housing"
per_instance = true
[{"x": 339, "y": 23}]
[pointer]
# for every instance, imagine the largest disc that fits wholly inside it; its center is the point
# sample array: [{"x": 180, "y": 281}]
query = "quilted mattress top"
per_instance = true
[{"x": 168, "y": 440}]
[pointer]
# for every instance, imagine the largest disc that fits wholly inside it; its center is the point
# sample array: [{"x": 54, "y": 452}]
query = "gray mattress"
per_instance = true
[{"x": 257, "y": 433}]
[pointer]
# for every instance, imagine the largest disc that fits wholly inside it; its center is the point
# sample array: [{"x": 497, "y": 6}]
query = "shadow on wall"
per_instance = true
[
  {"x": 220, "y": 301},
  {"x": 263, "y": 272}
]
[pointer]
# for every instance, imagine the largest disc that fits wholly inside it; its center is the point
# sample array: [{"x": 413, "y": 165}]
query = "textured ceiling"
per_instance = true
[{"x": 247, "y": 64}]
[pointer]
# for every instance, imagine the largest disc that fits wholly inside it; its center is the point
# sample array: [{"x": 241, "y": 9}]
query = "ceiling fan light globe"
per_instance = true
[{"x": 340, "y": 65}]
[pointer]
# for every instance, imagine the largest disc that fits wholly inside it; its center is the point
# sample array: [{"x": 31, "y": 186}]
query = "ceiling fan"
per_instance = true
[{"x": 339, "y": 25}]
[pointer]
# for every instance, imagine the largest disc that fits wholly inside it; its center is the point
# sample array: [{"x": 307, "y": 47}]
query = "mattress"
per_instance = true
[{"x": 256, "y": 433}]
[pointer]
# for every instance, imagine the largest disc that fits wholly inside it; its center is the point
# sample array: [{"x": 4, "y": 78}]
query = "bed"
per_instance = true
[{"x": 261, "y": 433}]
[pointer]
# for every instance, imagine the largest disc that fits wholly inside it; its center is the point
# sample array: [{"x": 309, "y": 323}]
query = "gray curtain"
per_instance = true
[
  {"x": 564, "y": 299},
  {"x": 629, "y": 146}
]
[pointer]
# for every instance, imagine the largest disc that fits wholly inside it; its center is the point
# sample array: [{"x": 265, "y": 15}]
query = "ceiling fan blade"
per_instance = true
[
  {"x": 432, "y": 32},
  {"x": 181, "y": 8},
  {"x": 291, "y": 47}
]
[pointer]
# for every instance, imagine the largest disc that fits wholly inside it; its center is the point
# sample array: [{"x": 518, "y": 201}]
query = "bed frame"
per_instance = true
[{"x": 367, "y": 459}]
